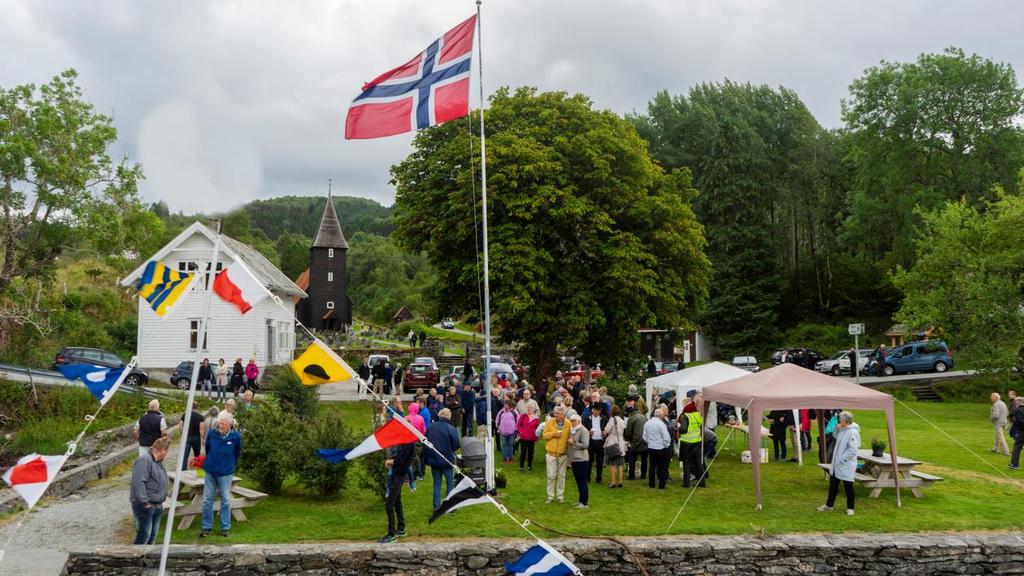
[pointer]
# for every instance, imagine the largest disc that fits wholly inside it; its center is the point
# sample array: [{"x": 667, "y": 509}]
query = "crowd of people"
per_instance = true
[{"x": 218, "y": 380}]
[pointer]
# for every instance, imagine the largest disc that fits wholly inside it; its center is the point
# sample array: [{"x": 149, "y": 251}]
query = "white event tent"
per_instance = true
[{"x": 695, "y": 378}]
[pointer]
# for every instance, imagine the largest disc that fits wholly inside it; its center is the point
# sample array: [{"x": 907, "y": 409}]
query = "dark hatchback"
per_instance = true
[{"x": 97, "y": 357}]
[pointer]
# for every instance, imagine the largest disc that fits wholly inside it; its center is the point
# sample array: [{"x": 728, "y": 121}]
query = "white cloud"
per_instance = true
[{"x": 232, "y": 100}]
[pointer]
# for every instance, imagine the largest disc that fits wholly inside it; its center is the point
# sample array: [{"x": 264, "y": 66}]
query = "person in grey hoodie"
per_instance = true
[
  {"x": 844, "y": 462},
  {"x": 148, "y": 491},
  {"x": 579, "y": 458}
]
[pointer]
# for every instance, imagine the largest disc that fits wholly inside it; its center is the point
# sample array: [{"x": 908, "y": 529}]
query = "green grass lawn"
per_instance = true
[{"x": 973, "y": 496}]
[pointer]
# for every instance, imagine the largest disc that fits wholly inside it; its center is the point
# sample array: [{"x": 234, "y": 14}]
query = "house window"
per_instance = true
[
  {"x": 330, "y": 305},
  {"x": 193, "y": 335},
  {"x": 330, "y": 276},
  {"x": 220, "y": 266},
  {"x": 330, "y": 252}
]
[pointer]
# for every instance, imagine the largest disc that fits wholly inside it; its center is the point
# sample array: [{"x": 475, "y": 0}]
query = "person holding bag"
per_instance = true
[{"x": 615, "y": 447}]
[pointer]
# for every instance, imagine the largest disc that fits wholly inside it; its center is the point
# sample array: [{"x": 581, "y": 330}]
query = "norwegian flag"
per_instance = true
[{"x": 430, "y": 89}]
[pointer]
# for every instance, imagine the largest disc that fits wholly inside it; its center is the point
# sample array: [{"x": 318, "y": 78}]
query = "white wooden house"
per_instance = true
[{"x": 266, "y": 333}]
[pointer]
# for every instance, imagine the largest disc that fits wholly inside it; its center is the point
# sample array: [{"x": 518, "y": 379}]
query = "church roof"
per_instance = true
[{"x": 329, "y": 235}]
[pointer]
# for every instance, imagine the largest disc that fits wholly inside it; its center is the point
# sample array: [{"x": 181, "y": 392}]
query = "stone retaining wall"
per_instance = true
[{"x": 855, "y": 554}]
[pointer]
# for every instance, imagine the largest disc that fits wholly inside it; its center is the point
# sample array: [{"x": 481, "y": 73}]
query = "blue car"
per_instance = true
[{"x": 927, "y": 356}]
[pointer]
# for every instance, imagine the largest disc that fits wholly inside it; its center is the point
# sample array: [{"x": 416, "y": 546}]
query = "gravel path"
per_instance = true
[{"x": 95, "y": 515}]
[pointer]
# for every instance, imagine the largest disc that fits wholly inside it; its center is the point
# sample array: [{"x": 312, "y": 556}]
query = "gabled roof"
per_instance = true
[
  {"x": 265, "y": 272},
  {"x": 329, "y": 234},
  {"x": 302, "y": 282}
]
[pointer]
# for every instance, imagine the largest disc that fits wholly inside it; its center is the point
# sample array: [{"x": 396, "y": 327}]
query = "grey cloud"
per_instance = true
[{"x": 228, "y": 101}]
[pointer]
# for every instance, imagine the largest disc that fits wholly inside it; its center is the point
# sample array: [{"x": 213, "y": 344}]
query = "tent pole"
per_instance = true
[
  {"x": 754, "y": 425},
  {"x": 823, "y": 453}
]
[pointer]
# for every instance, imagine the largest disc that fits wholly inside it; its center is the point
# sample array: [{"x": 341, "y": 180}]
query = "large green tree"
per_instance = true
[
  {"x": 922, "y": 134},
  {"x": 589, "y": 239},
  {"x": 382, "y": 278},
  {"x": 769, "y": 194},
  {"x": 968, "y": 280},
  {"x": 59, "y": 189}
]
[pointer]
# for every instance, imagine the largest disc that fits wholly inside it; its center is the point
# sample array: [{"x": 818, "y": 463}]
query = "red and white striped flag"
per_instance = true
[
  {"x": 237, "y": 285},
  {"x": 394, "y": 433},
  {"x": 32, "y": 475}
]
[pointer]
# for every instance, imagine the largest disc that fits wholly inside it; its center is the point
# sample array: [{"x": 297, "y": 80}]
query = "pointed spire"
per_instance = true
[{"x": 329, "y": 235}]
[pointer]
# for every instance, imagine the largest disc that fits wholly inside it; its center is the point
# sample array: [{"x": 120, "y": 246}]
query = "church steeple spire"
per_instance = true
[{"x": 329, "y": 235}]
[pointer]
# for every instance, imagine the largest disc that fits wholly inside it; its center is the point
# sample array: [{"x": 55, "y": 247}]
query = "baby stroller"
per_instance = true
[{"x": 473, "y": 460}]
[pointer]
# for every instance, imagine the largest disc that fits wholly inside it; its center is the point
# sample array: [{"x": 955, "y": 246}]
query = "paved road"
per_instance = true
[{"x": 458, "y": 331}]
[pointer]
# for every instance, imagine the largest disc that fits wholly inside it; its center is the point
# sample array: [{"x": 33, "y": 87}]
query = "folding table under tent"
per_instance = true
[
  {"x": 695, "y": 378},
  {"x": 789, "y": 386}
]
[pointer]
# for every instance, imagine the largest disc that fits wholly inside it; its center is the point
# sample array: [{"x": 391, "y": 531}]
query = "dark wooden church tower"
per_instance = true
[{"x": 327, "y": 307}]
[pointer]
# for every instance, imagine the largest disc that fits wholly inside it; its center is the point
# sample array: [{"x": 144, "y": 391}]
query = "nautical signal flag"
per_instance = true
[
  {"x": 430, "y": 89},
  {"x": 542, "y": 560},
  {"x": 466, "y": 493},
  {"x": 101, "y": 381},
  {"x": 235, "y": 284},
  {"x": 32, "y": 475},
  {"x": 394, "y": 433},
  {"x": 320, "y": 365},
  {"x": 162, "y": 287}
]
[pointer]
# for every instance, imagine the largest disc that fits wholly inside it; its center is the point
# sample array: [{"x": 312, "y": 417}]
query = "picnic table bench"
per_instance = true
[
  {"x": 877, "y": 474},
  {"x": 192, "y": 490}
]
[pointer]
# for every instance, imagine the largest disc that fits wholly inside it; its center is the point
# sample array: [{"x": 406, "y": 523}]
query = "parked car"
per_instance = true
[
  {"x": 665, "y": 367},
  {"x": 831, "y": 365},
  {"x": 748, "y": 363},
  {"x": 182, "y": 375},
  {"x": 447, "y": 323},
  {"x": 925, "y": 356},
  {"x": 806, "y": 357},
  {"x": 419, "y": 375},
  {"x": 454, "y": 377},
  {"x": 375, "y": 358},
  {"x": 78, "y": 355},
  {"x": 595, "y": 372},
  {"x": 426, "y": 360},
  {"x": 495, "y": 359}
]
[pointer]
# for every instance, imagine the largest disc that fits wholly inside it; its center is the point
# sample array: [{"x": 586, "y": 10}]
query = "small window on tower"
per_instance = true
[
  {"x": 330, "y": 276},
  {"x": 330, "y": 252},
  {"x": 330, "y": 305}
]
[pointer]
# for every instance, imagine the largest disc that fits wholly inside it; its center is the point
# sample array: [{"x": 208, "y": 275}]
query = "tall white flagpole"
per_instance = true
[
  {"x": 200, "y": 341},
  {"x": 489, "y": 444}
]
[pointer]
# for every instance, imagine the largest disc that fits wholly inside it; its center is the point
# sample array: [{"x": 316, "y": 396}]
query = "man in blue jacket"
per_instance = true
[
  {"x": 223, "y": 447},
  {"x": 445, "y": 439}
]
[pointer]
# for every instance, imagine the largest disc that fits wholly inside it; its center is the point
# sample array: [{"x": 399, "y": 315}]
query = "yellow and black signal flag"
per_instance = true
[
  {"x": 162, "y": 287},
  {"x": 320, "y": 365}
]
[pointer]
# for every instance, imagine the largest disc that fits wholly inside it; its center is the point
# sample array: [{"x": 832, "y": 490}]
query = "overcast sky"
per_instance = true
[{"x": 224, "y": 102}]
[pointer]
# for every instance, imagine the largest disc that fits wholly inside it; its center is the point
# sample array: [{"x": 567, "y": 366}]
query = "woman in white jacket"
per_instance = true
[
  {"x": 844, "y": 462},
  {"x": 615, "y": 447}
]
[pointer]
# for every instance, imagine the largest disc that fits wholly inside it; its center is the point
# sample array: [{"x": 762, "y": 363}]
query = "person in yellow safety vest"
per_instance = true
[{"x": 691, "y": 426}]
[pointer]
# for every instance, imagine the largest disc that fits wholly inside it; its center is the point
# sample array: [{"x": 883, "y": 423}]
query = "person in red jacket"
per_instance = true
[
  {"x": 526, "y": 427},
  {"x": 805, "y": 429}
]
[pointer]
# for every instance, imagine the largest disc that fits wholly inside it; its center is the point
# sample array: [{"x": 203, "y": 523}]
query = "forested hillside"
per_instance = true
[{"x": 301, "y": 214}]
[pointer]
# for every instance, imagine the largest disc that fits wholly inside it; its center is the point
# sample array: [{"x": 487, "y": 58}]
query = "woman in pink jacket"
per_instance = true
[
  {"x": 527, "y": 429},
  {"x": 415, "y": 419},
  {"x": 506, "y": 422},
  {"x": 252, "y": 372}
]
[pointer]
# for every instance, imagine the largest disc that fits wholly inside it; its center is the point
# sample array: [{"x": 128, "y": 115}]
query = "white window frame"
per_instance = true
[
  {"x": 330, "y": 304},
  {"x": 330, "y": 252},
  {"x": 193, "y": 335},
  {"x": 330, "y": 276}
]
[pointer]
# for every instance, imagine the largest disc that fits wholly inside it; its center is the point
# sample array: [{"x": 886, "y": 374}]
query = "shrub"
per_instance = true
[
  {"x": 291, "y": 394},
  {"x": 326, "y": 431},
  {"x": 373, "y": 473},
  {"x": 268, "y": 437},
  {"x": 978, "y": 387}
]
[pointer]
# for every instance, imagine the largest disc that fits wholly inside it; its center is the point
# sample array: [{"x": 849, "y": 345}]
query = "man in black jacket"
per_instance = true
[
  {"x": 399, "y": 462},
  {"x": 1017, "y": 418}
]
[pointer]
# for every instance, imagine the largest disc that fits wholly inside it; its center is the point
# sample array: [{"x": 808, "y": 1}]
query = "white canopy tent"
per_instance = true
[{"x": 695, "y": 378}]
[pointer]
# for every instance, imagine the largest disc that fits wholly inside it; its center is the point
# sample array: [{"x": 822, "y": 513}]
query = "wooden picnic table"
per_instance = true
[
  {"x": 192, "y": 490},
  {"x": 877, "y": 473}
]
